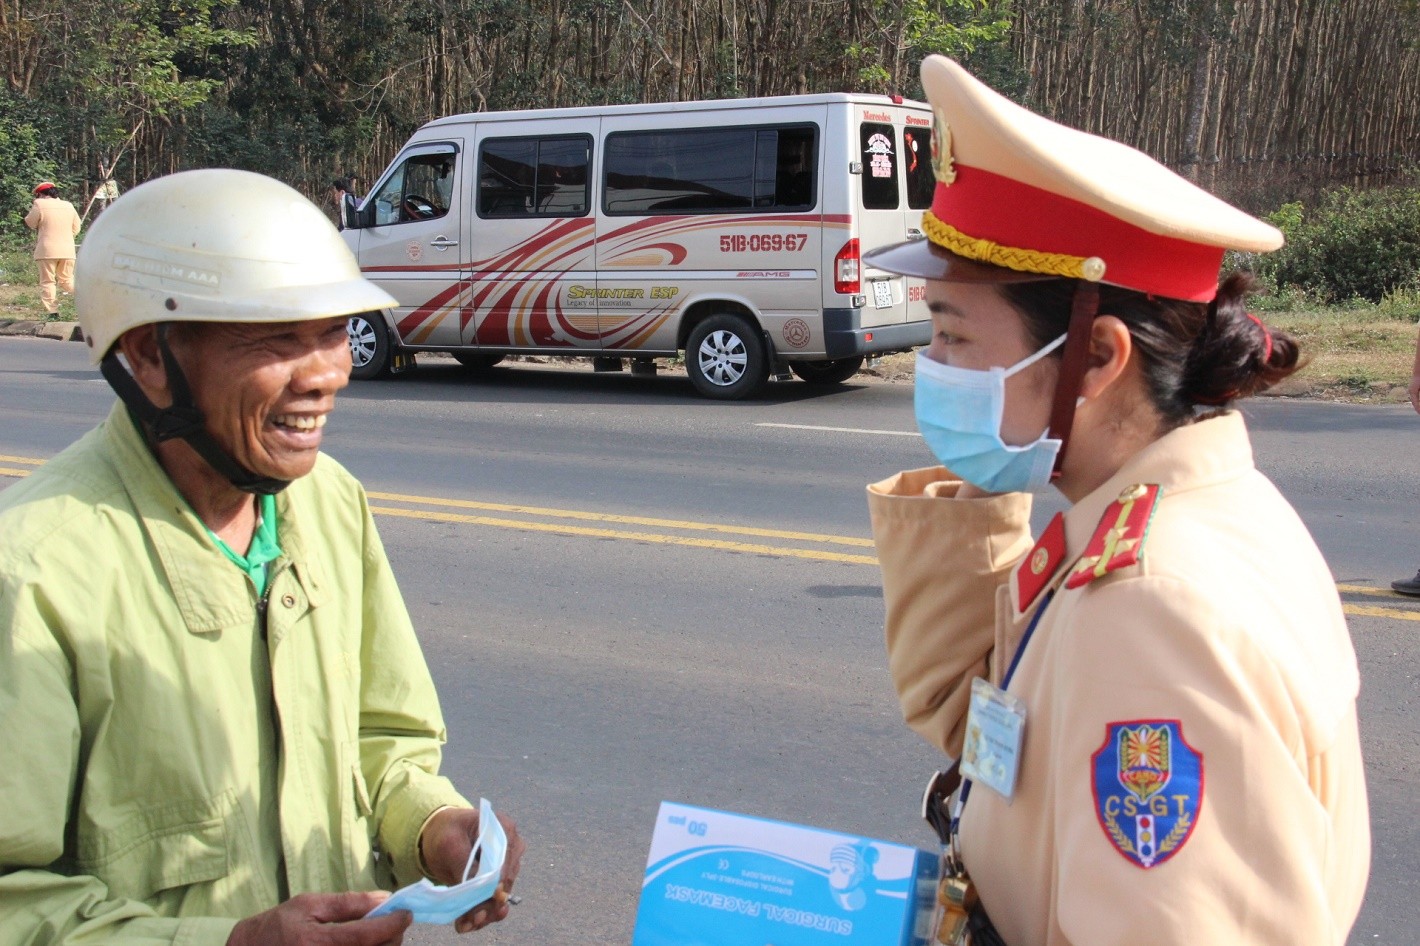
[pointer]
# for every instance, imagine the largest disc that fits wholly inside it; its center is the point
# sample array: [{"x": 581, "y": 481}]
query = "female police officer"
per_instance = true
[{"x": 1154, "y": 703}]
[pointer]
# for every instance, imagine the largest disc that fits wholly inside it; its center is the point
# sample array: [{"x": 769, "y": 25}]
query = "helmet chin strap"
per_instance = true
[
  {"x": 182, "y": 419},
  {"x": 1074, "y": 358}
]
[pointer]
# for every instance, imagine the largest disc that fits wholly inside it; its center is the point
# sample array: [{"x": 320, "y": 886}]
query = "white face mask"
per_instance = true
[
  {"x": 959, "y": 412},
  {"x": 432, "y": 903}
]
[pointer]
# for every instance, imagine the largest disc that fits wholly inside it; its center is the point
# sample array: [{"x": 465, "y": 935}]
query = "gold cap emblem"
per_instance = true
[{"x": 942, "y": 149}]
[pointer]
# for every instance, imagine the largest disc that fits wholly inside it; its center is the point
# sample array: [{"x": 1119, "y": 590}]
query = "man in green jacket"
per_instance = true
[{"x": 217, "y": 725}]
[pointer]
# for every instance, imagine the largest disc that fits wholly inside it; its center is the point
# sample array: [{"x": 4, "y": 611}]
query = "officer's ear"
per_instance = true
[
  {"x": 139, "y": 347},
  {"x": 1110, "y": 348}
]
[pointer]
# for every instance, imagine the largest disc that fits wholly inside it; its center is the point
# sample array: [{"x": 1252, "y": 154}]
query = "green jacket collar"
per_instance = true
[{"x": 209, "y": 592}]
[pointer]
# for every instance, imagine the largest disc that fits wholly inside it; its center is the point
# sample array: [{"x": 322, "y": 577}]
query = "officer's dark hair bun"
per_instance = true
[
  {"x": 1236, "y": 354},
  {"x": 1196, "y": 357}
]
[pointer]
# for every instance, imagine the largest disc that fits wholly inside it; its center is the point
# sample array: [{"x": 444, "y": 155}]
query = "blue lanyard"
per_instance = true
[{"x": 1005, "y": 684}]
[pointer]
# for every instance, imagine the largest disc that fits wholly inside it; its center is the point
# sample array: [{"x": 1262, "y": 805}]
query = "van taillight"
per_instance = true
[{"x": 847, "y": 269}]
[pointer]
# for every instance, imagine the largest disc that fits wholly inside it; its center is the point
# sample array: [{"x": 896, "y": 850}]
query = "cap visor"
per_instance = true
[{"x": 924, "y": 258}]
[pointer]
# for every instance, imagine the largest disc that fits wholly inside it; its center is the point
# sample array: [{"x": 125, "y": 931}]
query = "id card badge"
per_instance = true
[{"x": 995, "y": 731}]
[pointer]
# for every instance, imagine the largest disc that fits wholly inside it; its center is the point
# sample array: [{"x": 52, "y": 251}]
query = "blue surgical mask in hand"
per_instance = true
[
  {"x": 959, "y": 413},
  {"x": 432, "y": 903}
]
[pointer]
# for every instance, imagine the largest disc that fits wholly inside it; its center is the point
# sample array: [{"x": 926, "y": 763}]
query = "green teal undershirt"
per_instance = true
[{"x": 264, "y": 547}]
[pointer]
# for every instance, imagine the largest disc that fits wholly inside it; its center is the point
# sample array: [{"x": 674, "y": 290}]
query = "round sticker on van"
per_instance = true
[
  {"x": 415, "y": 249},
  {"x": 796, "y": 333}
]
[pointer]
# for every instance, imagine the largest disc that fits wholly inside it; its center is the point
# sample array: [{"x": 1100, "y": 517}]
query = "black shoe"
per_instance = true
[{"x": 1408, "y": 586}]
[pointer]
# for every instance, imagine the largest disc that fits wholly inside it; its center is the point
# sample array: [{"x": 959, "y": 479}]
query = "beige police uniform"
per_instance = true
[
  {"x": 1227, "y": 632},
  {"x": 56, "y": 223}
]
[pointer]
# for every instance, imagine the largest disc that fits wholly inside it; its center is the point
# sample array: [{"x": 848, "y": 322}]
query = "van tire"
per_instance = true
[
  {"x": 476, "y": 361},
  {"x": 827, "y": 372},
  {"x": 726, "y": 358},
  {"x": 369, "y": 346}
]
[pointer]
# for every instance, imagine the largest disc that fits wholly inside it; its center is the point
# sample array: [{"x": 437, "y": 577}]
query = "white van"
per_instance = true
[{"x": 729, "y": 230}]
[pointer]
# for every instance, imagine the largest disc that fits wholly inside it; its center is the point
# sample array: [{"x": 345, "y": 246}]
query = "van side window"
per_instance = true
[
  {"x": 880, "y": 160},
  {"x": 917, "y": 164},
  {"x": 712, "y": 170},
  {"x": 419, "y": 189},
  {"x": 534, "y": 177}
]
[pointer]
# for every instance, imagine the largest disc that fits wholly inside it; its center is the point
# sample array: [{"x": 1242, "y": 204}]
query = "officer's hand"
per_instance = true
[
  {"x": 447, "y": 840},
  {"x": 323, "y": 919},
  {"x": 972, "y": 491}
]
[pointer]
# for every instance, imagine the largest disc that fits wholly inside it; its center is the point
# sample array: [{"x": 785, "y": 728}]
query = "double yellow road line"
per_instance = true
[
  {"x": 720, "y": 537},
  {"x": 609, "y": 526},
  {"x": 17, "y": 472}
]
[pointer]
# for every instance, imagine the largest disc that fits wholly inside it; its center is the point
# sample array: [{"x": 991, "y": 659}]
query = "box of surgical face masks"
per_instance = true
[{"x": 719, "y": 879}]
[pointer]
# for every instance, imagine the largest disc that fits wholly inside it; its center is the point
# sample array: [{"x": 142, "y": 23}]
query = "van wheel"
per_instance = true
[
  {"x": 476, "y": 361},
  {"x": 369, "y": 346},
  {"x": 725, "y": 358},
  {"x": 827, "y": 372}
]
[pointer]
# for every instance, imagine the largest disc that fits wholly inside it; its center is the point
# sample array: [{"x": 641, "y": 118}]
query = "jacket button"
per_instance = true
[{"x": 288, "y": 600}]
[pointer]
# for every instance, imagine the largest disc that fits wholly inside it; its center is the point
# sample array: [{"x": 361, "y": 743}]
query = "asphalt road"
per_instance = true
[{"x": 629, "y": 594}]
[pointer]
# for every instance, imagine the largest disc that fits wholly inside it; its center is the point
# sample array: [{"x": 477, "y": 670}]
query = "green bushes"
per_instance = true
[
  {"x": 1353, "y": 245},
  {"x": 24, "y": 161}
]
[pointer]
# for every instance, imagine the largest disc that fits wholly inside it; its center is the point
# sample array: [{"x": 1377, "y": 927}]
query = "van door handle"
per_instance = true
[{"x": 443, "y": 243}]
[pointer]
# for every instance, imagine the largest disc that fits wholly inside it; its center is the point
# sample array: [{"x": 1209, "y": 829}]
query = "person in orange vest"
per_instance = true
[{"x": 56, "y": 223}]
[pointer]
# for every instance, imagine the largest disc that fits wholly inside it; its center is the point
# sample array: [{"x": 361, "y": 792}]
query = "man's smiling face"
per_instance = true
[{"x": 266, "y": 388}]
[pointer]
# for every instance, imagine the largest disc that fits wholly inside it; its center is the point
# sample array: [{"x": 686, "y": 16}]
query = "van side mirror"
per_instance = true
[
  {"x": 357, "y": 218},
  {"x": 349, "y": 217}
]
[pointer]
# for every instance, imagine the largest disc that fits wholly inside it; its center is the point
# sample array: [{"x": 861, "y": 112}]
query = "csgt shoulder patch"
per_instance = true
[{"x": 1148, "y": 788}]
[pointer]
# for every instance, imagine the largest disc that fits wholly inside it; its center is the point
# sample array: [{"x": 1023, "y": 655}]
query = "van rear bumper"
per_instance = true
[{"x": 844, "y": 335}]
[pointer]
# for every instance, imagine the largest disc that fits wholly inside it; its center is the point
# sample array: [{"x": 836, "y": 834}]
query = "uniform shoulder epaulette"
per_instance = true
[{"x": 1118, "y": 541}]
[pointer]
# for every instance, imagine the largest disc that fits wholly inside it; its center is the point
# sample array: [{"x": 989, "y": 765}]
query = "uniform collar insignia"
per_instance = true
[{"x": 1035, "y": 571}]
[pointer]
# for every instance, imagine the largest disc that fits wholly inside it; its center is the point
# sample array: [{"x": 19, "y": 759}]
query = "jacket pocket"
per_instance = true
[
  {"x": 357, "y": 825},
  {"x": 177, "y": 844}
]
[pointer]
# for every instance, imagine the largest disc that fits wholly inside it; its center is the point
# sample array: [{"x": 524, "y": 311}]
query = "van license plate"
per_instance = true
[{"x": 882, "y": 294}]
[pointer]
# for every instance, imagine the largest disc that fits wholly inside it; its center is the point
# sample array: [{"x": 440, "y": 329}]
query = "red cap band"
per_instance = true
[{"x": 987, "y": 206}]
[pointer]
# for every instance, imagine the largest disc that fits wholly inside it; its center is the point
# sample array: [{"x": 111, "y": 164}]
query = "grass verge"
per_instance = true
[
  {"x": 19, "y": 288},
  {"x": 1354, "y": 354}
]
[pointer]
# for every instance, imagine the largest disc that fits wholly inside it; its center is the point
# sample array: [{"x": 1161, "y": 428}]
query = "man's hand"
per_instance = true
[
  {"x": 323, "y": 919},
  {"x": 447, "y": 840}
]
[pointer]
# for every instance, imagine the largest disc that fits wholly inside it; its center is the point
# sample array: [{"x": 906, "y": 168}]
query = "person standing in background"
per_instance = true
[
  {"x": 56, "y": 223},
  {"x": 1411, "y": 586},
  {"x": 342, "y": 194}
]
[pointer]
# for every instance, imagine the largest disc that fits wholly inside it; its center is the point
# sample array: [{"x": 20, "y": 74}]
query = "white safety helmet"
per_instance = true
[{"x": 215, "y": 245}]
